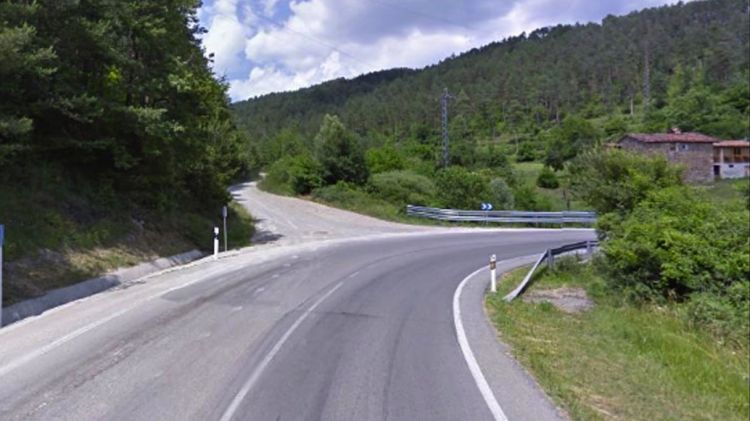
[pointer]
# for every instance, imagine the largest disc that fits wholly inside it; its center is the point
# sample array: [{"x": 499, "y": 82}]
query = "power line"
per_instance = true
[
  {"x": 423, "y": 14},
  {"x": 283, "y": 27}
]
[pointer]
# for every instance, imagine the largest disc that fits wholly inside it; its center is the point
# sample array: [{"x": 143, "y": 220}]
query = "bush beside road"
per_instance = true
[{"x": 619, "y": 360}]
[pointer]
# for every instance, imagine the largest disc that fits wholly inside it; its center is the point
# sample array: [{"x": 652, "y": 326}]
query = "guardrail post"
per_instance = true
[
  {"x": 493, "y": 284},
  {"x": 589, "y": 248},
  {"x": 550, "y": 259}
]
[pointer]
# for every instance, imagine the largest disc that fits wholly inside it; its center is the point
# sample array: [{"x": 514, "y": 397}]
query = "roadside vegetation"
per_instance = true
[
  {"x": 116, "y": 139},
  {"x": 60, "y": 236},
  {"x": 620, "y": 360},
  {"x": 381, "y": 181},
  {"x": 522, "y": 109},
  {"x": 669, "y": 332}
]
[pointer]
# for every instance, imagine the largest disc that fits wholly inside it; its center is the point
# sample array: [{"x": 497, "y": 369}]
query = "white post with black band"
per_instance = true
[
  {"x": 493, "y": 263},
  {"x": 216, "y": 243}
]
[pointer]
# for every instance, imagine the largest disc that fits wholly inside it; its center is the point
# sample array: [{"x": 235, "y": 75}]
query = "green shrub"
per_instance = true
[
  {"x": 527, "y": 198},
  {"x": 298, "y": 174},
  {"x": 461, "y": 189},
  {"x": 341, "y": 192},
  {"x": 526, "y": 152},
  {"x": 745, "y": 189},
  {"x": 615, "y": 180},
  {"x": 353, "y": 197},
  {"x": 403, "y": 187},
  {"x": 676, "y": 243},
  {"x": 726, "y": 315},
  {"x": 572, "y": 137},
  {"x": 386, "y": 158},
  {"x": 339, "y": 153},
  {"x": 547, "y": 179},
  {"x": 501, "y": 194}
]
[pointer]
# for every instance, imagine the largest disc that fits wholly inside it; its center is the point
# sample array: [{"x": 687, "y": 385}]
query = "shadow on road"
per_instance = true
[{"x": 264, "y": 236}]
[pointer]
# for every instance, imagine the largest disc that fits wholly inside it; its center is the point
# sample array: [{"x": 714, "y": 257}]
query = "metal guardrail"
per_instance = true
[
  {"x": 549, "y": 256},
  {"x": 503, "y": 216}
]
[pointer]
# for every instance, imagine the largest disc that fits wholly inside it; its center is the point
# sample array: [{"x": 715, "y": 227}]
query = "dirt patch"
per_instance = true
[{"x": 569, "y": 300}]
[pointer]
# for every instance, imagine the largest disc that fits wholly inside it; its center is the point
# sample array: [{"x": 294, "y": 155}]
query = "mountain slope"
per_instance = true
[{"x": 526, "y": 83}]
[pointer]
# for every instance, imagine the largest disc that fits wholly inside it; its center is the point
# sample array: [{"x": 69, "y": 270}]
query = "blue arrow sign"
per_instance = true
[
  {"x": 486, "y": 206},
  {"x": 2, "y": 234}
]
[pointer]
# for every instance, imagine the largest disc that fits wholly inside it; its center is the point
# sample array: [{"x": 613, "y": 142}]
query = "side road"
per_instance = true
[{"x": 288, "y": 220}]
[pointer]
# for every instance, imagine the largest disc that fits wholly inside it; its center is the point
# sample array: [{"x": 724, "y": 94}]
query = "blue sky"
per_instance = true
[{"x": 264, "y": 46}]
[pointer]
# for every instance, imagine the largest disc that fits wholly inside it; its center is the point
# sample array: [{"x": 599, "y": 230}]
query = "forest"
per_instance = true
[
  {"x": 542, "y": 96},
  {"x": 115, "y": 137}
]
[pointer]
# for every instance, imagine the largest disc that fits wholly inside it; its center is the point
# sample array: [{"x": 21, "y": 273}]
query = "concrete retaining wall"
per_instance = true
[{"x": 60, "y": 296}]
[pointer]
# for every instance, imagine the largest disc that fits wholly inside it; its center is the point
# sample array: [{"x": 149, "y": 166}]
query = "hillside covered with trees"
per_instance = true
[
  {"x": 539, "y": 96},
  {"x": 115, "y": 136}
]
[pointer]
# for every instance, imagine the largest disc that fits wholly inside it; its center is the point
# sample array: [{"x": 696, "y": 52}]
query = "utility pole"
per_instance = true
[{"x": 444, "y": 105}]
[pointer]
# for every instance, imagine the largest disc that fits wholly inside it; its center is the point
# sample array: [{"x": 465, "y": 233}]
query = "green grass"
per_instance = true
[
  {"x": 240, "y": 226},
  {"x": 528, "y": 172},
  {"x": 619, "y": 361},
  {"x": 729, "y": 192},
  {"x": 360, "y": 201}
]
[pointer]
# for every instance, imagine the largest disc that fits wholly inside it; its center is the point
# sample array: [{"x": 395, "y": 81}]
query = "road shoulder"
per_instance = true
[{"x": 516, "y": 391}]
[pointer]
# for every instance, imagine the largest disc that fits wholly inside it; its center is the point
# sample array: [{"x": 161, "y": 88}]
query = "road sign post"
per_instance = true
[
  {"x": 224, "y": 214},
  {"x": 2, "y": 238},
  {"x": 216, "y": 243},
  {"x": 486, "y": 207},
  {"x": 493, "y": 279}
]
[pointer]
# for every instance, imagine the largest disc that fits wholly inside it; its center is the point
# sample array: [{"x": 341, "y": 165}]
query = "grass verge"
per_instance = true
[{"x": 618, "y": 361}]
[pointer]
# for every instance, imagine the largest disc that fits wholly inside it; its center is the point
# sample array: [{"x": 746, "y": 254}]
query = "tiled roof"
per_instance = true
[
  {"x": 671, "y": 137},
  {"x": 733, "y": 143}
]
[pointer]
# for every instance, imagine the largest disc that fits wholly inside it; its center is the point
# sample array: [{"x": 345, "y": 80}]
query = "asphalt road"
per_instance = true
[{"x": 340, "y": 323}]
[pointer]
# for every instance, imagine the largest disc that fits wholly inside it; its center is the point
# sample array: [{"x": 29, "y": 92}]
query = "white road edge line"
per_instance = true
[
  {"x": 240, "y": 396},
  {"x": 471, "y": 361}
]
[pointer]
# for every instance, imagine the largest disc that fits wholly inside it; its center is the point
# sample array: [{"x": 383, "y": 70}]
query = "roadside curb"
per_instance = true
[
  {"x": 60, "y": 296},
  {"x": 515, "y": 390}
]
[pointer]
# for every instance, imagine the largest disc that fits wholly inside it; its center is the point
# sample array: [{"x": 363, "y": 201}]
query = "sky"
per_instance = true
[{"x": 263, "y": 46}]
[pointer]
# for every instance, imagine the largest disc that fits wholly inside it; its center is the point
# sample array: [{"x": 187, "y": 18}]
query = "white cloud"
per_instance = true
[
  {"x": 318, "y": 40},
  {"x": 226, "y": 36}
]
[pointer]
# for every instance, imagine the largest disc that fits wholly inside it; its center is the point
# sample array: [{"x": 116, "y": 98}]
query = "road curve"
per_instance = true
[{"x": 358, "y": 327}]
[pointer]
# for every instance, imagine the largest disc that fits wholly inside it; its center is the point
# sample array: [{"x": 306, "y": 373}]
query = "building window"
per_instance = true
[
  {"x": 683, "y": 146},
  {"x": 737, "y": 155}
]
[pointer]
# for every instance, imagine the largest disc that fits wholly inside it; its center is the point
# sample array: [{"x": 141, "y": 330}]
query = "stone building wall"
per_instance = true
[{"x": 696, "y": 158}]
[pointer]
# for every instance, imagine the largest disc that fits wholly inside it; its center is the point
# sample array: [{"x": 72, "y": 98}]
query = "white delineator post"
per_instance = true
[
  {"x": 493, "y": 279},
  {"x": 216, "y": 243}
]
